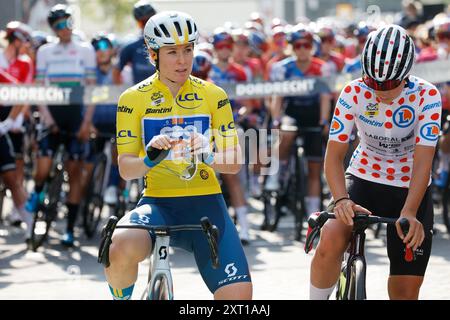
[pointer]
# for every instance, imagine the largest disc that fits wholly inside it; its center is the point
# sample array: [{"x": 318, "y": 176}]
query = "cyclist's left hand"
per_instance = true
[
  {"x": 199, "y": 143},
  {"x": 416, "y": 234}
]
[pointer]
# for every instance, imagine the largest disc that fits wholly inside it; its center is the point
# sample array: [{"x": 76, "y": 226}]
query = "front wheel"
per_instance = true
[
  {"x": 357, "y": 281},
  {"x": 160, "y": 289}
]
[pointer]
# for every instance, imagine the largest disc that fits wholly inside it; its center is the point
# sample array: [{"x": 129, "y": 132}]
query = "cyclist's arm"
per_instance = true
[
  {"x": 423, "y": 159},
  {"x": 275, "y": 108},
  {"x": 227, "y": 157},
  {"x": 41, "y": 73},
  {"x": 325, "y": 106},
  {"x": 334, "y": 168},
  {"x": 337, "y": 147},
  {"x": 228, "y": 160},
  {"x": 424, "y": 152},
  {"x": 131, "y": 166},
  {"x": 125, "y": 57}
]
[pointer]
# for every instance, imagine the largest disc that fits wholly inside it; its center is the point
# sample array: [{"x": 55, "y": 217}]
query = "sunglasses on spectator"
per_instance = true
[
  {"x": 61, "y": 25},
  {"x": 299, "y": 45},
  {"x": 381, "y": 85},
  {"x": 223, "y": 45},
  {"x": 328, "y": 39},
  {"x": 102, "y": 46}
]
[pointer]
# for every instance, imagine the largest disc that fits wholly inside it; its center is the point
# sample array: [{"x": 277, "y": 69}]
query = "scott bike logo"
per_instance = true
[
  {"x": 227, "y": 130},
  {"x": 231, "y": 270},
  {"x": 404, "y": 116},
  {"x": 430, "y": 131},
  {"x": 124, "y": 109},
  {"x": 189, "y": 101},
  {"x": 162, "y": 253},
  {"x": 336, "y": 126},
  {"x": 371, "y": 110},
  {"x": 125, "y": 134}
]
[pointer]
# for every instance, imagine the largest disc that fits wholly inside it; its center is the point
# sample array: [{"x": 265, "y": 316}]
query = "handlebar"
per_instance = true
[
  {"x": 211, "y": 232},
  {"x": 361, "y": 222}
]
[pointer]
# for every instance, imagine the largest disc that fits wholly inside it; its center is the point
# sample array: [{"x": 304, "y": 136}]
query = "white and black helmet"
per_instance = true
[
  {"x": 388, "y": 54},
  {"x": 170, "y": 28}
]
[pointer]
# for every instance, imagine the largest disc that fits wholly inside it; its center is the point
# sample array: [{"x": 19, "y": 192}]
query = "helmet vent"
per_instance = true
[{"x": 164, "y": 29}]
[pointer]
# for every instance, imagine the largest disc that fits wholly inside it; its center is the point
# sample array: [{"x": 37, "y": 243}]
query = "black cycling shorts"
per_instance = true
[
  {"x": 312, "y": 139},
  {"x": 68, "y": 119},
  {"x": 7, "y": 156},
  {"x": 387, "y": 201}
]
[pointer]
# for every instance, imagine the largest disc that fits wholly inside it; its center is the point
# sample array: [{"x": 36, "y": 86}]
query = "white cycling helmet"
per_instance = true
[
  {"x": 388, "y": 54},
  {"x": 170, "y": 28}
]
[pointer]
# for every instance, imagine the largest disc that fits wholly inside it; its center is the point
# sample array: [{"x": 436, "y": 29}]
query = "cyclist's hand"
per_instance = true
[
  {"x": 199, "y": 143},
  {"x": 84, "y": 132},
  {"x": 160, "y": 142},
  {"x": 345, "y": 211},
  {"x": 415, "y": 235},
  {"x": 5, "y": 126}
]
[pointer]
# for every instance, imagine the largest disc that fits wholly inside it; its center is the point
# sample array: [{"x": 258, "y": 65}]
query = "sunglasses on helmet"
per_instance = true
[
  {"x": 381, "y": 85},
  {"x": 62, "y": 24}
]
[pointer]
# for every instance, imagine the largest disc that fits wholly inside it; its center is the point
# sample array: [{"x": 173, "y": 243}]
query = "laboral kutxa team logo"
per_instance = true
[
  {"x": 336, "y": 126},
  {"x": 404, "y": 116},
  {"x": 430, "y": 131}
]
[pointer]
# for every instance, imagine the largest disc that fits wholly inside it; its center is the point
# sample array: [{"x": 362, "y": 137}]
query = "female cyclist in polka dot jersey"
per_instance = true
[{"x": 398, "y": 118}]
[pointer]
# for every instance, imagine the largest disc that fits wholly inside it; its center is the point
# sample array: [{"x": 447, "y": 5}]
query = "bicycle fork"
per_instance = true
[{"x": 160, "y": 268}]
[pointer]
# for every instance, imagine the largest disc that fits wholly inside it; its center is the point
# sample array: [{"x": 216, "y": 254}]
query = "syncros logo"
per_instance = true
[
  {"x": 124, "y": 109},
  {"x": 189, "y": 101},
  {"x": 158, "y": 110},
  {"x": 222, "y": 103}
]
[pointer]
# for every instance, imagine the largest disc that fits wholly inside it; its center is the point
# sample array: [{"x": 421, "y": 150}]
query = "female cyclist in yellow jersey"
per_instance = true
[{"x": 180, "y": 115}]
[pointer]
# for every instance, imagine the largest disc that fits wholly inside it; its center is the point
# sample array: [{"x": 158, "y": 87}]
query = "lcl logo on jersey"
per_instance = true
[
  {"x": 336, "y": 126},
  {"x": 189, "y": 101},
  {"x": 404, "y": 116},
  {"x": 430, "y": 131}
]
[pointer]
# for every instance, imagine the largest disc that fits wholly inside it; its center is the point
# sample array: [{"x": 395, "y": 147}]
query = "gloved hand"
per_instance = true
[
  {"x": 17, "y": 123},
  {"x": 5, "y": 126}
]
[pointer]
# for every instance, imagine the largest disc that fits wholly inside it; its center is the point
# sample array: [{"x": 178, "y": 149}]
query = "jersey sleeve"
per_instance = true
[
  {"x": 125, "y": 57},
  {"x": 128, "y": 125},
  {"x": 41, "y": 66},
  {"x": 90, "y": 63},
  {"x": 343, "y": 119},
  {"x": 222, "y": 123},
  {"x": 429, "y": 118}
]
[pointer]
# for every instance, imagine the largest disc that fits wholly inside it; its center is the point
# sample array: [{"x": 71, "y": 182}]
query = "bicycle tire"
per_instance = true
[
  {"x": 93, "y": 203},
  {"x": 357, "y": 281},
  {"x": 299, "y": 206},
  {"x": 2, "y": 197},
  {"x": 445, "y": 208},
  {"x": 48, "y": 211},
  {"x": 160, "y": 289},
  {"x": 271, "y": 211}
]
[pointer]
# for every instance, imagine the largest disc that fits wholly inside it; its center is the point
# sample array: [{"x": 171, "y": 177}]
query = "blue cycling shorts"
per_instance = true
[{"x": 170, "y": 211}]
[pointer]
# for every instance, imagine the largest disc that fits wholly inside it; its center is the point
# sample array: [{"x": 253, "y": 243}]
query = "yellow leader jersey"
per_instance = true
[{"x": 149, "y": 109}]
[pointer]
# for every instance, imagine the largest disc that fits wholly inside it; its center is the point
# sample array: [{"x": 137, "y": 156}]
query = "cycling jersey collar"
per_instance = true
[{"x": 163, "y": 87}]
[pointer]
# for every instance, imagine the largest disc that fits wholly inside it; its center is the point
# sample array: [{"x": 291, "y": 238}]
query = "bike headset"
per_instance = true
[
  {"x": 169, "y": 28},
  {"x": 387, "y": 58}
]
